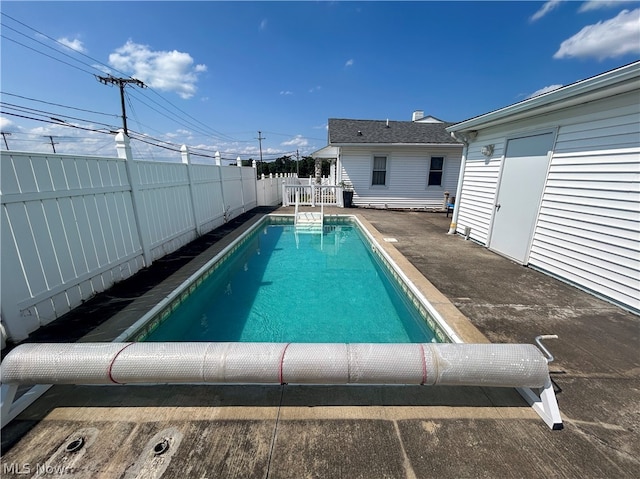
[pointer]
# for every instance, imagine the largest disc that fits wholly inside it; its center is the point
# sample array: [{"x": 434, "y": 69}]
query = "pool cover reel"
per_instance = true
[
  {"x": 502, "y": 365},
  {"x": 498, "y": 365}
]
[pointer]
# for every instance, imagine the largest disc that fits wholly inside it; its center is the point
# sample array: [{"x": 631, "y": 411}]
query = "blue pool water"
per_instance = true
[{"x": 283, "y": 286}]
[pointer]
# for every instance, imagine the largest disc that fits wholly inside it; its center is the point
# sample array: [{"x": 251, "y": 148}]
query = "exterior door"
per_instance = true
[{"x": 524, "y": 172}]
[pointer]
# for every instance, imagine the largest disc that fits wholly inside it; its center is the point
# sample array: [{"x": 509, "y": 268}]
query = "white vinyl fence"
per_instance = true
[
  {"x": 269, "y": 188},
  {"x": 72, "y": 226}
]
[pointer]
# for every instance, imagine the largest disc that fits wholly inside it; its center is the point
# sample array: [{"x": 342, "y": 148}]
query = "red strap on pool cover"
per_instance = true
[
  {"x": 113, "y": 361},
  {"x": 284, "y": 350},
  {"x": 424, "y": 366}
]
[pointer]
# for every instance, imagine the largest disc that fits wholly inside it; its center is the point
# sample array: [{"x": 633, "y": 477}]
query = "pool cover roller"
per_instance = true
[{"x": 496, "y": 365}]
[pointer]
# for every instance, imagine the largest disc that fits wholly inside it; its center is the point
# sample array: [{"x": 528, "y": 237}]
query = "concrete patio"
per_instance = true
[{"x": 355, "y": 431}]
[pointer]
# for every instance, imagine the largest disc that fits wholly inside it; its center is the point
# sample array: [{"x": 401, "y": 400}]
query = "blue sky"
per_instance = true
[{"x": 219, "y": 72}]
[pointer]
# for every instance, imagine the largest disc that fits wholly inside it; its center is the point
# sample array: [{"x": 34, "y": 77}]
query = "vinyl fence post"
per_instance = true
[
  {"x": 123, "y": 149},
  {"x": 186, "y": 160}
]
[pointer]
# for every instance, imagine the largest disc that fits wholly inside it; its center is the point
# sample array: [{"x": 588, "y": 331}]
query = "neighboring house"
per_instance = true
[
  {"x": 553, "y": 182},
  {"x": 394, "y": 164}
]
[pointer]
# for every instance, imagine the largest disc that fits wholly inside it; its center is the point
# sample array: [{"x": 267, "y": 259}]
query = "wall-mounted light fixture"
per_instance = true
[{"x": 487, "y": 150}]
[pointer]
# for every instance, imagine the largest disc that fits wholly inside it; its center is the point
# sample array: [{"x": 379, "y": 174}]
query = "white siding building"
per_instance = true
[
  {"x": 553, "y": 182},
  {"x": 395, "y": 164}
]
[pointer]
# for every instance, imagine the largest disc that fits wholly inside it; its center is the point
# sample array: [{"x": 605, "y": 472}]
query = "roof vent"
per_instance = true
[
  {"x": 417, "y": 115},
  {"x": 359, "y": 133}
]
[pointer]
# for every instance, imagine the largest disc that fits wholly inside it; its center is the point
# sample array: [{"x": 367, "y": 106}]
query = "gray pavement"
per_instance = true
[{"x": 368, "y": 432}]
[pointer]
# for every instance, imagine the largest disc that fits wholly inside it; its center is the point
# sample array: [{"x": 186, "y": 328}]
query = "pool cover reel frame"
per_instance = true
[{"x": 522, "y": 366}]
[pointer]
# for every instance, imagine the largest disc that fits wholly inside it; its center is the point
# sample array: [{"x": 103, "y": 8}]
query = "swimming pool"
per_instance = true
[{"x": 275, "y": 284}]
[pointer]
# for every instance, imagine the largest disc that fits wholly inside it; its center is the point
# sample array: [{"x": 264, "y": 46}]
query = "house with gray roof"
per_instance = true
[{"x": 394, "y": 164}]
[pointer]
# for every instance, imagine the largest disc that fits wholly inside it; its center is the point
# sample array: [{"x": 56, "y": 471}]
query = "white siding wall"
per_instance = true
[
  {"x": 588, "y": 229},
  {"x": 69, "y": 230},
  {"x": 479, "y": 188},
  {"x": 406, "y": 178}
]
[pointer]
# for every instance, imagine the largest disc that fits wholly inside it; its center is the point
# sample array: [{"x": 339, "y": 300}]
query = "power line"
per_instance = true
[
  {"x": 224, "y": 136},
  {"x": 59, "y": 43},
  {"x": 45, "y": 54},
  {"x": 50, "y": 121},
  {"x": 180, "y": 118},
  {"x": 50, "y": 115},
  {"x": 60, "y": 105}
]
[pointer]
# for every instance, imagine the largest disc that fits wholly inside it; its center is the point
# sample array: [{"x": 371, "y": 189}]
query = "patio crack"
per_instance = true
[{"x": 275, "y": 432}]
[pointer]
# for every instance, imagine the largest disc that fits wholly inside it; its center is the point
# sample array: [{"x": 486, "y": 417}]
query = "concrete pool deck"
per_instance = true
[{"x": 356, "y": 431}]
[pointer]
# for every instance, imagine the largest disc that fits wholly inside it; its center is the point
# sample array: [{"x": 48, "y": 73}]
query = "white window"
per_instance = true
[
  {"x": 436, "y": 168},
  {"x": 379, "y": 176}
]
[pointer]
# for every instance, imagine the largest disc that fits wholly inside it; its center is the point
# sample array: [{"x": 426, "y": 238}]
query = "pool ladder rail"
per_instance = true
[{"x": 307, "y": 221}]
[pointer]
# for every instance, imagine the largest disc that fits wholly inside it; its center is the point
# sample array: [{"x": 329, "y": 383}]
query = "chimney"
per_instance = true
[{"x": 417, "y": 115}]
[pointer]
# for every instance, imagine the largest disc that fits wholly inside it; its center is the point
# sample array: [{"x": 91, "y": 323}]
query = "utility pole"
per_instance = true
[
  {"x": 4, "y": 137},
  {"x": 297, "y": 163},
  {"x": 260, "y": 138},
  {"x": 121, "y": 82},
  {"x": 53, "y": 145}
]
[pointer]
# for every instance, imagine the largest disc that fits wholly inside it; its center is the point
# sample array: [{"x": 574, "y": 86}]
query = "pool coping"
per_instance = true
[{"x": 450, "y": 314}]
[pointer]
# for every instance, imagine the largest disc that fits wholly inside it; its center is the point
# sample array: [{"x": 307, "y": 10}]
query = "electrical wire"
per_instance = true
[
  {"x": 181, "y": 117},
  {"x": 45, "y": 54},
  {"x": 60, "y": 105},
  {"x": 69, "y": 125},
  {"x": 59, "y": 43},
  {"x": 208, "y": 131},
  {"x": 53, "y": 116}
]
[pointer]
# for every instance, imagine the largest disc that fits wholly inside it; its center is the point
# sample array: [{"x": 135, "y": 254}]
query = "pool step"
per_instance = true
[{"x": 309, "y": 221}]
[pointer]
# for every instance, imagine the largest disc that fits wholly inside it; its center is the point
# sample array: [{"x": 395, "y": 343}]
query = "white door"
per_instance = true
[{"x": 524, "y": 172}]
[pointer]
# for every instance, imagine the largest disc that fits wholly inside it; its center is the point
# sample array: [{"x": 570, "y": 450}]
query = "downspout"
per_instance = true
[{"x": 456, "y": 206}]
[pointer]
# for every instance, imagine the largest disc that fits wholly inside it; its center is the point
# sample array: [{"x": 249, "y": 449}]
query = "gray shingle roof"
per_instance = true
[{"x": 344, "y": 131}]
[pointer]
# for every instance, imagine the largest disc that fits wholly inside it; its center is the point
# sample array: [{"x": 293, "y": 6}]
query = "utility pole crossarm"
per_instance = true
[{"x": 121, "y": 82}]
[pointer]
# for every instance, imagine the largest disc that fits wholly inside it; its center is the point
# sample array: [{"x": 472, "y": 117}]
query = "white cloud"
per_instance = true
[
  {"x": 601, "y": 4},
  {"x": 74, "y": 44},
  {"x": 349, "y": 62},
  {"x": 545, "y": 89},
  {"x": 297, "y": 141},
  {"x": 263, "y": 24},
  {"x": 5, "y": 122},
  {"x": 609, "y": 39},
  {"x": 286, "y": 92},
  {"x": 546, "y": 8},
  {"x": 316, "y": 88},
  {"x": 164, "y": 70}
]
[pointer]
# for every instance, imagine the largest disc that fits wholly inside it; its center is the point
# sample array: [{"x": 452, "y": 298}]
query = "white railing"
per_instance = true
[{"x": 312, "y": 195}]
